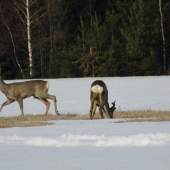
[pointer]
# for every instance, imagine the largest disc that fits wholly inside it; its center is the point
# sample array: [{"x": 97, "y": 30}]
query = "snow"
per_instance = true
[
  {"x": 90, "y": 144},
  {"x": 69, "y": 140}
]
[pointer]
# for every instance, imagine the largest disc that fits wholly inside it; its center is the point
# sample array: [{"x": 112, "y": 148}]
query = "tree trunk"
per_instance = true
[
  {"x": 29, "y": 38},
  {"x": 51, "y": 50},
  {"x": 13, "y": 45},
  {"x": 82, "y": 30},
  {"x": 90, "y": 12},
  {"x": 163, "y": 37},
  {"x": 51, "y": 41}
]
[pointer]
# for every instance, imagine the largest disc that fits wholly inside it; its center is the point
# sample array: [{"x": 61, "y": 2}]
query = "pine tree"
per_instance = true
[{"x": 140, "y": 35}]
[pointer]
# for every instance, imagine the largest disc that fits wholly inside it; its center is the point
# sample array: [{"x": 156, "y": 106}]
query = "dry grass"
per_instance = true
[
  {"x": 41, "y": 120},
  {"x": 142, "y": 115},
  {"x": 35, "y": 120}
]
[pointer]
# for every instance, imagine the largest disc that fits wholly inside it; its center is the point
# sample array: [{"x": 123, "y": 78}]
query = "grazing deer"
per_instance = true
[
  {"x": 99, "y": 97},
  {"x": 19, "y": 91}
]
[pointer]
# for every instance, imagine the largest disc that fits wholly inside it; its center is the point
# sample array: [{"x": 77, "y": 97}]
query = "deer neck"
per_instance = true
[{"x": 107, "y": 108}]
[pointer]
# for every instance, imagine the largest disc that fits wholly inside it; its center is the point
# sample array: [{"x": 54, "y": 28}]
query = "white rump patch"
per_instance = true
[
  {"x": 47, "y": 85},
  {"x": 97, "y": 89}
]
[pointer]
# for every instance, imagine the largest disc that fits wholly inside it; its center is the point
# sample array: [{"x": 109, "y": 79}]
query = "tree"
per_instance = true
[
  {"x": 140, "y": 36},
  {"x": 59, "y": 38},
  {"x": 55, "y": 18},
  {"x": 88, "y": 46},
  {"x": 12, "y": 40},
  {"x": 24, "y": 7},
  {"x": 163, "y": 37},
  {"x": 111, "y": 57}
]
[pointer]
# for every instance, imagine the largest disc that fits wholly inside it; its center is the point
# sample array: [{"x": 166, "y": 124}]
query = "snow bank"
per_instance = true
[{"x": 69, "y": 140}]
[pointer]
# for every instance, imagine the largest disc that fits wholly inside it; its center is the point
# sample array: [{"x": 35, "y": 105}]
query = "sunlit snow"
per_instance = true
[{"x": 90, "y": 144}]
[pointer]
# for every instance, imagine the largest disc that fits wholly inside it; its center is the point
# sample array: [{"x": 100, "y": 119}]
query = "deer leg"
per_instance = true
[
  {"x": 94, "y": 109},
  {"x": 9, "y": 101},
  {"x": 101, "y": 105},
  {"x": 47, "y": 103},
  {"x": 21, "y": 106},
  {"x": 91, "y": 109},
  {"x": 55, "y": 102},
  {"x": 104, "y": 109},
  {"x": 100, "y": 110}
]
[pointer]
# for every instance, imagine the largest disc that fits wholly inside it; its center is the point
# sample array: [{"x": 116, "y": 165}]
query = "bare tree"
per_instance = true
[
  {"x": 12, "y": 43},
  {"x": 28, "y": 20},
  {"x": 55, "y": 16},
  {"x": 163, "y": 37}
]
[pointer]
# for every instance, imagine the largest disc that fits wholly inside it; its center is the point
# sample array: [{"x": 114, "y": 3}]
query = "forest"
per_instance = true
[{"x": 84, "y": 38}]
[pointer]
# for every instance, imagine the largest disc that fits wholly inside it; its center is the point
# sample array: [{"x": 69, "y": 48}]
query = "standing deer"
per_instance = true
[
  {"x": 99, "y": 97},
  {"x": 19, "y": 91}
]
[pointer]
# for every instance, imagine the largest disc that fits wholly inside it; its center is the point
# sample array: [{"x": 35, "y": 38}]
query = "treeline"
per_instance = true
[{"x": 60, "y": 38}]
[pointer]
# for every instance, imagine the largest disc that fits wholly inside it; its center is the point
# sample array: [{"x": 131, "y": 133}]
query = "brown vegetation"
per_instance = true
[
  {"x": 37, "y": 120},
  {"x": 142, "y": 115},
  {"x": 126, "y": 116}
]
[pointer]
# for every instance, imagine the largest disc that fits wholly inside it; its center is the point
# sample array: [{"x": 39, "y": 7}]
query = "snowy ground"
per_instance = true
[{"x": 91, "y": 144}]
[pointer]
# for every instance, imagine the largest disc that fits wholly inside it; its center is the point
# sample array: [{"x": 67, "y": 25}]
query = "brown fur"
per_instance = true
[
  {"x": 100, "y": 100},
  {"x": 19, "y": 91}
]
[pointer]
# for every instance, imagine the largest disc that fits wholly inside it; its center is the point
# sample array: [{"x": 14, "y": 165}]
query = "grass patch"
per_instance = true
[
  {"x": 142, "y": 115},
  {"x": 36, "y": 120},
  {"x": 41, "y": 120}
]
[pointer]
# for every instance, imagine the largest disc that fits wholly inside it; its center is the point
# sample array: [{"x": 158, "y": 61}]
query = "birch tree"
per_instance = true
[
  {"x": 29, "y": 36},
  {"x": 27, "y": 19}
]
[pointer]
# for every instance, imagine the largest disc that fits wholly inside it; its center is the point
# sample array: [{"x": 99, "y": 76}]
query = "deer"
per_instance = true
[
  {"x": 21, "y": 90},
  {"x": 99, "y": 97}
]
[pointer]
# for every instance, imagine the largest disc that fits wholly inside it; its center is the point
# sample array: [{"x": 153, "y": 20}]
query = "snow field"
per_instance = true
[{"x": 90, "y": 144}]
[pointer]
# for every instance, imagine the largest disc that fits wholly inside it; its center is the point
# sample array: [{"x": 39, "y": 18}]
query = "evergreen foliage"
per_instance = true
[{"x": 85, "y": 38}]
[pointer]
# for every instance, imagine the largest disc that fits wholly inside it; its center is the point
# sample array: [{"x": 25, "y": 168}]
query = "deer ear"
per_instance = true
[{"x": 114, "y": 102}]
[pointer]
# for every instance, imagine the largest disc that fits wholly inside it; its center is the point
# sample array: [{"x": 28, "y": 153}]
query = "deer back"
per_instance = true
[
  {"x": 36, "y": 88},
  {"x": 98, "y": 90}
]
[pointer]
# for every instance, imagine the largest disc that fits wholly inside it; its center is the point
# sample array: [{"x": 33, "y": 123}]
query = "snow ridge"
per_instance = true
[{"x": 70, "y": 140}]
